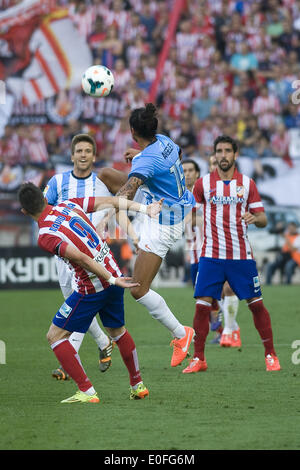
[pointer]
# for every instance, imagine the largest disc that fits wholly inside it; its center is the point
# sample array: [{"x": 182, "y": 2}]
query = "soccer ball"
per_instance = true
[{"x": 97, "y": 81}]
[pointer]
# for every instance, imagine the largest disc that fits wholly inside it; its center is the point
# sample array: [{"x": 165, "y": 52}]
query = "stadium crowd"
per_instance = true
[{"x": 230, "y": 70}]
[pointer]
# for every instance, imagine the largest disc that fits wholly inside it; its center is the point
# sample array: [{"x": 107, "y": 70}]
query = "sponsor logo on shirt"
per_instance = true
[
  {"x": 226, "y": 200},
  {"x": 102, "y": 254}
]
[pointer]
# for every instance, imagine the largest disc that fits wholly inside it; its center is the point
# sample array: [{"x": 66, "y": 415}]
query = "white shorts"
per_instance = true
[
  {"x": 158, "y": 239},
  {"x": 65, "y": 277}
]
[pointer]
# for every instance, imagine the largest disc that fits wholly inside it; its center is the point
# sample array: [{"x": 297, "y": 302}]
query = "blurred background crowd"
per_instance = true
[{"x": 230, "y": 69}]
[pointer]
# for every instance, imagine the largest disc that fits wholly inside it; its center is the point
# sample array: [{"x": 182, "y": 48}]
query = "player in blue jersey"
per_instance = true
[
  {"x": 81, "y": 181},
  {"x": 157, "y": 172}
]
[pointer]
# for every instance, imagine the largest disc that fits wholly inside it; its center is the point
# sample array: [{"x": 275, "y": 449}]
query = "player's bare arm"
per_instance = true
[
  {"x": 81, "y": 259},
  {"x": 113, "y": 179},
  {"x": 259, "y": 219},
  {"x": 130, "y": 153},
  {"x": 130, "y": 187},
  {"x": 120, "y": 203}
]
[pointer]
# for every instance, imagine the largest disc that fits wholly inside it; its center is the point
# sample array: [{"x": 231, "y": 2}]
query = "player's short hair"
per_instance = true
[
  {"x": 227, "y": 140},
  {"x": 83, "y": 138},
  {"x": 144, "y": 121},
  {"x": 31, "y": 198},
  {"x": 196, "y": 166}
]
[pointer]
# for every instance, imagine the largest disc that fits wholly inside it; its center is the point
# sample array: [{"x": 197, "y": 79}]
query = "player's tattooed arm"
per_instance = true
[{"x": 130, "y": 187}]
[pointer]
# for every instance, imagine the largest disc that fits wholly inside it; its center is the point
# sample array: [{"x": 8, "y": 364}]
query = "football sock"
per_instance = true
[
  {"x": 159, "y": 310},
  {"x": 230, "y": 309},
  {"x": 70, "y": 361},
  {"x": 136, "y": 385},
  {"x": 90, "y": 391},
  {"x": 76, "y": 340},
  {"x": 262, "y": 323},
  {"x": 201, "y": 327},
  {"x": 99, "y": 336},
  {"x": 129, "y": 355}
]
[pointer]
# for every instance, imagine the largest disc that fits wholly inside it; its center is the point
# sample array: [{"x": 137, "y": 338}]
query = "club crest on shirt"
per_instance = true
[{"x": 240, "y": 191}]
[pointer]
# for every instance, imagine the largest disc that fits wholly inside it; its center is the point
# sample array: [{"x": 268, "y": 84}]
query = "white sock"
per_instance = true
[
  {"x": 76, "y": 340},
  {"x": 159, "y": 310},
  {"x": 136, "y": 385},
  {"x": 90, "y": 391},
  {"x": 99, "y": 336},
  {"x": 230, "y": 310}
]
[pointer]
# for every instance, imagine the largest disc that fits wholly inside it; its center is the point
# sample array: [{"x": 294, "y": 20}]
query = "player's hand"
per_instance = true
[
  {"x": 249, "y": 218},
  {"x": 102, "y": 228},
  {"x": 130, "y": 153},
  {"x": 154, "y": 209},
  {"x": 126, "y": 282}
]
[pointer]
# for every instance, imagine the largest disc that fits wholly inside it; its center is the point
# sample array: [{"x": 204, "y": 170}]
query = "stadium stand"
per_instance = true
[{"x": 231, "y": 67}]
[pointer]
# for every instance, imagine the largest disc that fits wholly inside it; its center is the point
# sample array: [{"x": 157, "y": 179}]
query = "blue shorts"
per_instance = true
[
  {"x": 78, "y": 311},
  {"x": 241, "y": 275},
  {"x": 194, "y": 270}
]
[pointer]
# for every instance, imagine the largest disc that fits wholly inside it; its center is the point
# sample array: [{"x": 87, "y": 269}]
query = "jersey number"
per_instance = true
[
  {"x": 84, "y": 230},
  {"x": 176, "y": 169}
]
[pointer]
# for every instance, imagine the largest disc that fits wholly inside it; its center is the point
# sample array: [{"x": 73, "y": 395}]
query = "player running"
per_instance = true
[
  {"x": 156, "y": 169},
  {"x": 81, "y": 181},
  {"x": 66, "y": 231},
  {"x": 230, "y": 202}
]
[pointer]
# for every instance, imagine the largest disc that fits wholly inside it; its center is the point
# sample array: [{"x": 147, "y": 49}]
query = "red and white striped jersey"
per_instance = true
[
  {"x": 67, "y": 224},
  {"x": 266, "y": 104},
  {"x": 203, "y": 55},
  {"x": 194, "y": 240},
  {"x": 230, "y": 105},
  {"x": 225, "y": 233},
  {"x": 35, "y": 146}
]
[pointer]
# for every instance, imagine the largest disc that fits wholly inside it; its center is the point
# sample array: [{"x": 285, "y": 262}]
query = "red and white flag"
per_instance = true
[{"x": 52, "y": 54}]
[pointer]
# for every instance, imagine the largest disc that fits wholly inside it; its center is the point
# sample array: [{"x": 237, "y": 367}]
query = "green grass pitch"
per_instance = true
[{"x": 235, "y": 404}]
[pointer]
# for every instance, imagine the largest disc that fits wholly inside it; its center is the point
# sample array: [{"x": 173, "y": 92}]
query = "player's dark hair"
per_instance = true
[
  {"x": 227, "y": 140},
  {"x": 31, "y": 198},
  {"x": 144, "y": 121},
  {"x": 83, "y": 138},
  {"x": 196, "y": 166}
]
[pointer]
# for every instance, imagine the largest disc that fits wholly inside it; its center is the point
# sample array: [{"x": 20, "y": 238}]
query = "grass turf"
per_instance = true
[{"x": 235, "y": 404}]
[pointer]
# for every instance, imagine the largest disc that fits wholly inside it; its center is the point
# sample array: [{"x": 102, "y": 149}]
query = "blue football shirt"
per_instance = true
[
  {"x": 65, "y": 186},
  {"x": 159, "y": 167}
]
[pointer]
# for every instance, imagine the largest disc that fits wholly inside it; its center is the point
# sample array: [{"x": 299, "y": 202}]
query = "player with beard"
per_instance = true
[{"x": 230, "y": 203}]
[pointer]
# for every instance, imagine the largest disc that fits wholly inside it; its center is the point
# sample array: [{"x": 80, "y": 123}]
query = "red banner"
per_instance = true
[{"x": 177, "y": 10}]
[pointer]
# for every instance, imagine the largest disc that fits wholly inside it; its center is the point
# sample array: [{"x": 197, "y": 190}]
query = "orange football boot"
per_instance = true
[
  {"x": 272, "y": 362},
  {"x": 236, "y": 339},
  {"x": 181, "y": 346},
  {"x": 226, "y": 340},
  {"x": 195, "y": 365}
]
